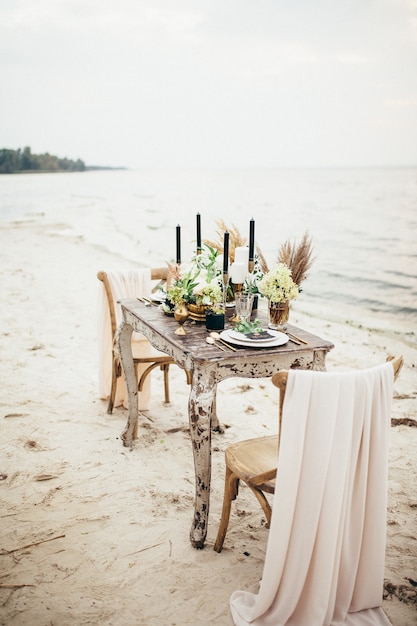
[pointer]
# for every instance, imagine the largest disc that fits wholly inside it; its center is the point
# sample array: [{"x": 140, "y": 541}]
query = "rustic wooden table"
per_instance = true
[{"x": 208, "y": 365}]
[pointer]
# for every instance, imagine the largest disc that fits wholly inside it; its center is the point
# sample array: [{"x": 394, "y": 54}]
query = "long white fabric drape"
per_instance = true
[
  {"x": 124, "y": 284},
  {"x": 324, "y": 564}
]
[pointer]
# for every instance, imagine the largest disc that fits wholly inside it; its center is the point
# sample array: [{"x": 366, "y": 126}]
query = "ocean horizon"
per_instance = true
[{"x": 362, "y": 222}]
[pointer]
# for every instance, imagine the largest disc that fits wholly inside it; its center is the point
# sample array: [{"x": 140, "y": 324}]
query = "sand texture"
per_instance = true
[{"x": 93, "y": 533}]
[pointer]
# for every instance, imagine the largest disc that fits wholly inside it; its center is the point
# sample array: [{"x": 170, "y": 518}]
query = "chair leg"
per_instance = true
[
  {"x": 165, "y": 368},
  {"x": 263, "y": 502},
  {"x": 114, "y": 376},
  {"x": 145, "y": 374},
  {"x": 231, "y": 486}
]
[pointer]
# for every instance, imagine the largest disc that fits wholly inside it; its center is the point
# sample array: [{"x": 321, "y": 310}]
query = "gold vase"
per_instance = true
[
  {"x": 197, "y": 312},
  {"x": 278, "y": 315},
  {"x": 181, "y": 315}
]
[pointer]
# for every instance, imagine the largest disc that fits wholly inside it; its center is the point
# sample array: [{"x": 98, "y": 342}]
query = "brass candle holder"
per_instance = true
[
  {"x": 237, "y": 287},
  {"x": 225, "y": 288}
]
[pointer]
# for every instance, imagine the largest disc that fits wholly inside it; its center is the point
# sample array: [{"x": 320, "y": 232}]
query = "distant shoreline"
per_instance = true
[
  {"x": 103, "y": 167},
  {"x": 25, "y": 162},
  {"x": 88, "y": 168}
]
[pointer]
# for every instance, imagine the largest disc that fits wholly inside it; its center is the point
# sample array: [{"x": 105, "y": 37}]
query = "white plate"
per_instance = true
[
  {"x": 279, "y": 340},
  {"x": 234, "y": 334}
]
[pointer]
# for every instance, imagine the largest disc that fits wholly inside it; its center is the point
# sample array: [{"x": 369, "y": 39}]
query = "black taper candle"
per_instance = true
[
  {"x": 226, "y": 253},
  {"x": 251, "y": 240},
  {"x": 178, "y": 249},
  {"x": 198, "y": 232}
]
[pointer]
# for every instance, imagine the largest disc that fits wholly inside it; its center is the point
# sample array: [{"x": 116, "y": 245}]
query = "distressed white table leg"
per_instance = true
[
  {"x": 215, "y": 424},
  {"x": 200, "y": 411},
  {"x": 319, "y": 361},
  {"x": 124, "y": 346}
]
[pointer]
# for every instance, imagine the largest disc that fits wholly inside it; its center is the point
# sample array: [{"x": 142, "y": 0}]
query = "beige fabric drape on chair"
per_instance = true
[
  {"x": 124, "y": 284},
  {"x": 324, "y": 563}
]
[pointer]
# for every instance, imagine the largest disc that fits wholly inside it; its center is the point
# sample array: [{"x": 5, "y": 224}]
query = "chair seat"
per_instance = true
[{"x": 253, "y": 460}]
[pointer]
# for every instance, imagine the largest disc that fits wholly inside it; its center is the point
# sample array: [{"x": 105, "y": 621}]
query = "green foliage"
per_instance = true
[
  {"x": 12, "y": 161},
  {"x": 247, "y": 328}
]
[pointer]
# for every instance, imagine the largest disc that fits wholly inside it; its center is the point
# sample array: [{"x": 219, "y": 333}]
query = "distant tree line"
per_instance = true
[{"x": 12, "y": 161}]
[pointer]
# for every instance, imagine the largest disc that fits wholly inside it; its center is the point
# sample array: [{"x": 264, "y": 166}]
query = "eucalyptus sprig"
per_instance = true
[{"x": 249, "y": 327}]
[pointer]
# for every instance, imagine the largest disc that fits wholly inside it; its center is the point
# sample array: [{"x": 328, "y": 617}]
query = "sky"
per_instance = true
[{"x": 211, "y": 83}]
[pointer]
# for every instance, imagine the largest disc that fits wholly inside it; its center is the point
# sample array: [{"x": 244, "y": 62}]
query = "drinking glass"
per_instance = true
[{"x": 243, "y": 302}]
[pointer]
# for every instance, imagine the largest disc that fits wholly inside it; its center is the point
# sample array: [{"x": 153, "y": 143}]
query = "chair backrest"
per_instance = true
[
  {"x": 116, "y": 285},
  {"x": 159, "y": 274},
  {"x": 279, "y": 379}
]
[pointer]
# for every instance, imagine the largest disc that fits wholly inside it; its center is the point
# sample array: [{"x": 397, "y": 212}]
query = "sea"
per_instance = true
[{"x": 362, "y": 223}]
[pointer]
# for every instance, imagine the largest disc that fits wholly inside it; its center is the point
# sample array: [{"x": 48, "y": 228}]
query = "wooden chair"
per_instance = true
[
  {"x": 143, "y": 354},
  {"x": 254, "y": 461}
]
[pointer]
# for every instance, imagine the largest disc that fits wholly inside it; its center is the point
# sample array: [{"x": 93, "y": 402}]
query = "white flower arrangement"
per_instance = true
[
  {"x": 197, "y": 282},
  {"x": 208, "y": 293},
  {"x": 181, "y": 289},
  {"x": 277, "y": 284}
]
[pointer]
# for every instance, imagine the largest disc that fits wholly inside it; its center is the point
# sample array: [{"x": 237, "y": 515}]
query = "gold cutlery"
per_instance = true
[
  {"x": 295, "y": 338},
  {"x": 211, "y": 341},
  {"x": 217, "y": 337},
  {"x": 145, "y": 302}
]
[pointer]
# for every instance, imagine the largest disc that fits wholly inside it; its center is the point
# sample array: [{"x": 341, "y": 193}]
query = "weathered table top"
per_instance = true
[
  {"x": 208, "y": 365},
  {"x": 191, "y": 349}
]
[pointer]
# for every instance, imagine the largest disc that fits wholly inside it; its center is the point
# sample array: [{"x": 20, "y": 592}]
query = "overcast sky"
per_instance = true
[{"x": 217, "y": 83}]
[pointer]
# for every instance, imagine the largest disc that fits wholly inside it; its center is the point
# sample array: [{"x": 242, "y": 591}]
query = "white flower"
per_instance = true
[
  {"x": 208, "y": 293},
  {"x": 201, "y": 281},
  {"x": 277, "y": 284}
]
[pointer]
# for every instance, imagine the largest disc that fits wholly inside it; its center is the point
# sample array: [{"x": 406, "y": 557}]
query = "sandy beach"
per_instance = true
[{"x": 93, "y": 533}]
